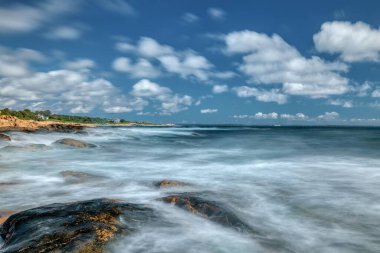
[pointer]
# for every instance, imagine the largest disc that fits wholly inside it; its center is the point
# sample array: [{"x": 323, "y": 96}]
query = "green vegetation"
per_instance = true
[{"x": 47, "y": 115}]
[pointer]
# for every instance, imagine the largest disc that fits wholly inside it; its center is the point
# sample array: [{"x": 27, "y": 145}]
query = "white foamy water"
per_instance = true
[{"x": 302, "y": 189}]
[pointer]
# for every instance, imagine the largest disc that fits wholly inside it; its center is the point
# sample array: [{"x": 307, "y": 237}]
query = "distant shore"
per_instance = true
[{"x": 12, "y": 123}]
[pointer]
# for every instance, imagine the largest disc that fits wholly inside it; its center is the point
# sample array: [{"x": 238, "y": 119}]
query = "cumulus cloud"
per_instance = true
[
  {"x": 168, "y": 102},
  {"x": 75, "y": 88},
  {"x": 270, "y": 60},
  {"x": 64, "y": 33},
  {"x": 217, "y": 89},
  {"x": 328, "y": 116},
  {"x": 186, "y": 63},
  {"x": 376, "y": 93},
  {"x": 261, "y": 115},
  {"x": 189, "y": 17},
  {"x": 16, "y": 62},
  {"x": 18, "y": 17},
  {"x": 208, "y": 111},
  {"x": 80, "y": 63},
  {"x": 273, "y": 95},
  {"x": 352, "y": 41},
  {"x": 341, "y": 102},
  {"x": 216, "y": 14},
  {"x": 297, "y": 116},
  {"x": 142, "y": 68}
]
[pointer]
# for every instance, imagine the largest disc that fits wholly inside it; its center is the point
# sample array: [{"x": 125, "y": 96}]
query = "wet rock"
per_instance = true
[
  {"x": 81, "y": 132},
  {"x": 167, "y": 183},
  {"x": 5, "y": 137},
  {"x": 4, "y": 216},
  {"x": 75, "y": 143},
  {"x": 75, "y": 177},
  {"x": 28, "y": 148},
  {"x": 210, "y": 210},
  {"x": 63, "y": 128},
  {"x": 79, "y": 227}
]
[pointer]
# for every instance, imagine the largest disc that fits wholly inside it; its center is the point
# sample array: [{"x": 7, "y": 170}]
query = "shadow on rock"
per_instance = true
[{"x": 210, "y": 210}]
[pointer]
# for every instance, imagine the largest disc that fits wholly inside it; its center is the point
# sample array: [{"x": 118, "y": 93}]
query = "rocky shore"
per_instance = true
[
  {"x": 11, "y": 123},
  {"x": 89, "y": 226}
]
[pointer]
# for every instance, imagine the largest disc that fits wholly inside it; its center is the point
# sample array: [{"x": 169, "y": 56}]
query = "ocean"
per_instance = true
[{"x": 305, "y": 189}]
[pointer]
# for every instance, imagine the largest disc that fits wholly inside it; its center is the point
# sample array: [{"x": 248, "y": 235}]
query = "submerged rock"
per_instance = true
[
  {"x": 5, "y": 137},
  {"x": 79, "y": 227},
  {"x": 75, "y": 177},
  {"x": 167, "y": 183},
  {"x": 210, "y": 210},
  {"x": 75, "y": 143}
]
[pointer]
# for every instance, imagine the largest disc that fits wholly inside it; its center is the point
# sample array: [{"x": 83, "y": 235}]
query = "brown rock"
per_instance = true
[
  {"x": 74, "y": 143},
  {"x": 167, "y": 183}
]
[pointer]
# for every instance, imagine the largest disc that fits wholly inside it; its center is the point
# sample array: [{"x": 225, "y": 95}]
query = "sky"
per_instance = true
[{"x": 180, "y": 61}]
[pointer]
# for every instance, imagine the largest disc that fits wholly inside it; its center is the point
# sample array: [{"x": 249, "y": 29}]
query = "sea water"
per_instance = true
[{"x": 304, "y": 189}]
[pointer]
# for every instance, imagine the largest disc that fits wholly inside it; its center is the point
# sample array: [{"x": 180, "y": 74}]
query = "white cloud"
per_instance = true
[
  {"x": 168, "y": 102},
  {"x": 208, "y": 111},
  {"x": 328, "y": 116},
  {"x": 298, "y": 116},
  {"x": 364, "y": 89},
  {"x": 273, "y": 95},
  {"x": 217, "y": 89},
  {"x": 270, "y": 60},
  {"x": 352, "y": 41},
  {"x": 376, "y": 93},
  {"x": 186, "y": 63},
  {"x": 216, "y": 13},
  {"x": 341, "y": 102},
  {"x": 189, "y": 17},
  {"x": 118, "y": 6},
  {"x": 64, "y": 33},
  {"x": 16, "y": 62},
  {"x": 261, "y": 115},
  {"x": 140, "y": 69},
  {"x": 21, "y": 18},
  {"x": 80, "y": 63}
]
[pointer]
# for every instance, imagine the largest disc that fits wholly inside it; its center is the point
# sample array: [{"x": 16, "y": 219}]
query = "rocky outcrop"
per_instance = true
[
  {"x": 76, "y": 177},
  {"x": 167, "y": 183},
  {"x": 210, "y": 210},
  {"x": 5, "y": 137},
  {"x": 79, "y": 227},
  {"x": 74, "y": 143},
  {"x": 11, "y": 123}
]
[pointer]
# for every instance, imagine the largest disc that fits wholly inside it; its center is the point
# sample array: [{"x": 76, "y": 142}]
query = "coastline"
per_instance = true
[{"x": 12, "y": 123}]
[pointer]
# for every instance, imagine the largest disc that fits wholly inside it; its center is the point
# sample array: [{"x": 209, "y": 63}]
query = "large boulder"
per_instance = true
[
  {"x": 5, "y": 137},
  {"x": 208, "y": 209},
  {"x": 63, "y": 128},
  {"x": 79, "y": 227},
  {"x": 74, "y": 143}
]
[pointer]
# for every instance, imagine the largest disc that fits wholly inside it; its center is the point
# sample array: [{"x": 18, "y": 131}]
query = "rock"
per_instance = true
[
  {"x": 64, "y": 128},
  {"x": 74, "y": 143},
  {"x": 79, "y": 227},
  {"x": 5, "y": 137},
  {"x": 4, "y": 216},
  {"x": 75, "y": 177},
  {"x": 207, "y": 209},
  {"x": 81, "y": 132},
  {"x": 167, "y": 183}
]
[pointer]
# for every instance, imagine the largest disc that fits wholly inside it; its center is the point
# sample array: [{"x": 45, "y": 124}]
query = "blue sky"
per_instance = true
[{"x": 257, "y": 62}]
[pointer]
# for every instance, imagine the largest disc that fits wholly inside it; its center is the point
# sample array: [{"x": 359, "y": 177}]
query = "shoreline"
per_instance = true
[{"x": 12, "y": 123}]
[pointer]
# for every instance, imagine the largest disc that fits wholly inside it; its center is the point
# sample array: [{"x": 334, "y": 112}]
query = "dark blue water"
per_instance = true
[{"x": 306, "y": 189}]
